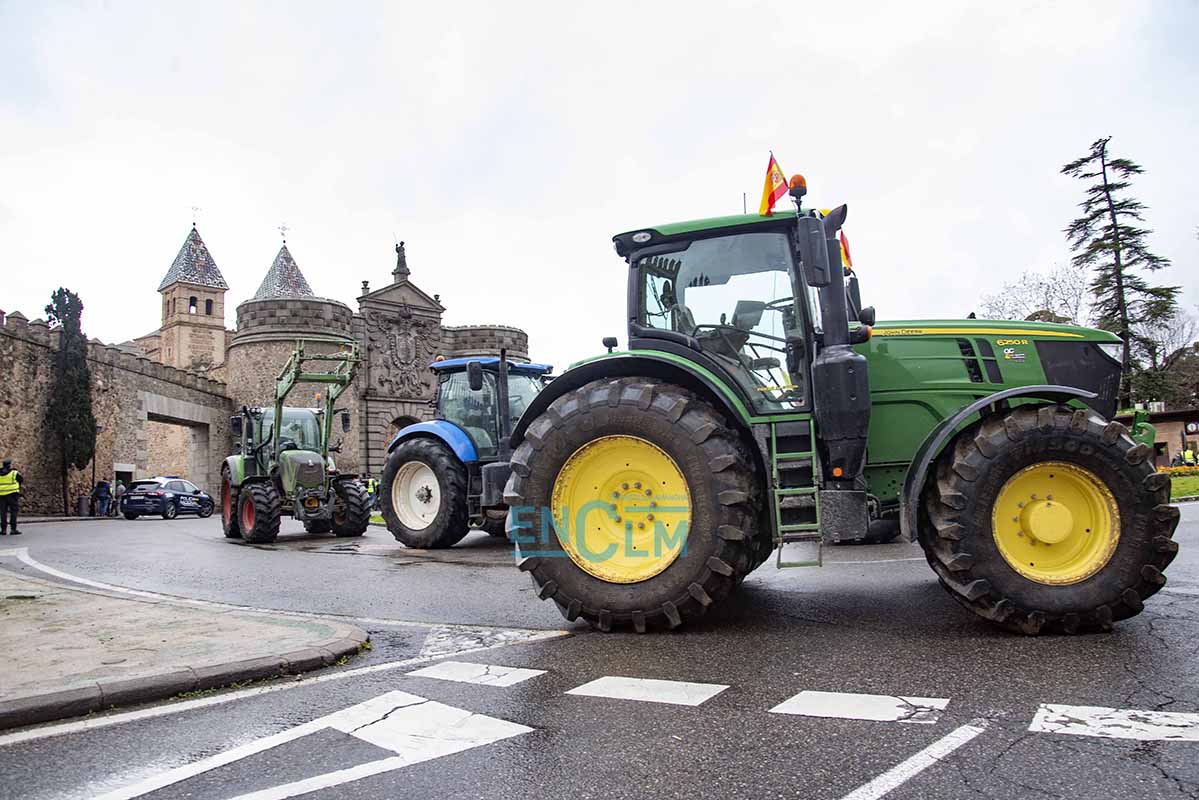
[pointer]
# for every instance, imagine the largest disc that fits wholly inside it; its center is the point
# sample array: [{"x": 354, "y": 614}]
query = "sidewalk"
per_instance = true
[{"x": 69, "y": 652}]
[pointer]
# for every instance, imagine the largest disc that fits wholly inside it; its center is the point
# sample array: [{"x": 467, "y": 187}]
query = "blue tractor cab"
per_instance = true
[{"x": 446, "y": 476}]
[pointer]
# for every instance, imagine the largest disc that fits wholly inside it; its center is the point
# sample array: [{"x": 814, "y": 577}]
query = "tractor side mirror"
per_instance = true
[
  {"x": 866, "y": 316},
  {"x": 235, "y": 427},
  {"x": 474, "y": 375},
  {"x": 345, "y": 422},
  {"x": 748, "y": 314},
  {"x": 813, "y": 251}
]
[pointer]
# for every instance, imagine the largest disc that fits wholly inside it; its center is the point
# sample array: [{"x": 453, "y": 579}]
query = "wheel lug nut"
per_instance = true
[
  {"x": 650, "y": 517},
  {"x": 640, "y": 526},
  {"x": 624, "y": 486},
  {"x": 648, "y": 493},
  {"x": 653, "y": 503},
  {"x": 618, "y": 519},
  {"x": 637, "y": 485}
]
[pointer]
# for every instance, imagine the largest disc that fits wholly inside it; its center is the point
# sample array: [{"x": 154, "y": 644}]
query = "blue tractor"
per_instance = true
[{"x": 447, "y": 476}]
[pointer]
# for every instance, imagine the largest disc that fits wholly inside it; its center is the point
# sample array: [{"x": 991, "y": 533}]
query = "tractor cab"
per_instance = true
[{"x": 476, "y": 410}]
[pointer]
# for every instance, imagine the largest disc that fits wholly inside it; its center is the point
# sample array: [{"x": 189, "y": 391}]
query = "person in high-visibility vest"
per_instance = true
[
  {"x": 10, "y": 497},
  {"x": 1188, "y": 457}
]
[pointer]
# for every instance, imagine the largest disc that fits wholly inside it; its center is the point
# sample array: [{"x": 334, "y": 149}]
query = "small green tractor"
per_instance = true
[
  {"x": 759, "y": 407},
  {"x": 282, "y": 465}
]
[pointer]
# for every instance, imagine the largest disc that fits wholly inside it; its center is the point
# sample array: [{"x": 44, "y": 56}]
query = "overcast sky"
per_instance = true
[{"x": 508, "y": 142}]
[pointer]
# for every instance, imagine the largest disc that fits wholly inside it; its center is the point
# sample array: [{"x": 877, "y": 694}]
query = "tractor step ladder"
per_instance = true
[{"x": 795, "y": 481}]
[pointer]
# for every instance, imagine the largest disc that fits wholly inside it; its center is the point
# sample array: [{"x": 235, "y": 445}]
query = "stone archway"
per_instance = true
[{"x": 399, "y": 423}]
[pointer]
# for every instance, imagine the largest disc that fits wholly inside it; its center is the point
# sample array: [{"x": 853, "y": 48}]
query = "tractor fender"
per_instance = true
[
  {"x": 237, "y": 469},
  {"x": 454, "y": 437},
  {"x": 623, "y": 365},
  {"x": 942, "y": 435}
]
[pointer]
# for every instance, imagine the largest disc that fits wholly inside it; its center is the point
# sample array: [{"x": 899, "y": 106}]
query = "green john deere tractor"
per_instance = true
[
  {"x": 760, "y": 405},
  {"x": 282, "y": 466}
]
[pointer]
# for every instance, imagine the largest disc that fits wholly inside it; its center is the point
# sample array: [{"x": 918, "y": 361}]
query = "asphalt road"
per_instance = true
[{"x": 873, "y": 621}]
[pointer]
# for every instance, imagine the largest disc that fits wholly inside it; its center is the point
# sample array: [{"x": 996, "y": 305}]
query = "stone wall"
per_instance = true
[
  {"x": 266, "y": 336},
  {"x": 128, "y": 392},
  {"x": 467, "y": 341}
]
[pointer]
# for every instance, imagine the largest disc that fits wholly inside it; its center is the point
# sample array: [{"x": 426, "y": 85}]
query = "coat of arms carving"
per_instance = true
[{"x": 402, "y": 347}]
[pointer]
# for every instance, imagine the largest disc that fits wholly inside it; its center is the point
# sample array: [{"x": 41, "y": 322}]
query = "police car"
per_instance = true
[{"x": 168, "y": 495}]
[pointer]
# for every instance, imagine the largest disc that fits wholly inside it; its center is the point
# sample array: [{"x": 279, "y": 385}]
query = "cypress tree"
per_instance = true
[
  {"x": 1107, "y": 240},
  {"x": 69, "y": 412}
]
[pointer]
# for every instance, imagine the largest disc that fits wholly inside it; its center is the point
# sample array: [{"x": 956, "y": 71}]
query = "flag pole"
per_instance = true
[{"x": 744, "y": 208}]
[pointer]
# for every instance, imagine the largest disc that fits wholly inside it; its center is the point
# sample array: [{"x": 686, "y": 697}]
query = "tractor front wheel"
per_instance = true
[
  {"x": 1048, "y": 519},
  {"x": 632, "y": 502},
  {"x": 424, "y": 495},
  {"x": 351, "y": 509},
  {"x": 229, "y": 510},
  {"x": 258, "y": 514}
]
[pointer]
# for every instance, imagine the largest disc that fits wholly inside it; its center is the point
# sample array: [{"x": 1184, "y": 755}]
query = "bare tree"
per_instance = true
[{"x": 1060, "y": 296}]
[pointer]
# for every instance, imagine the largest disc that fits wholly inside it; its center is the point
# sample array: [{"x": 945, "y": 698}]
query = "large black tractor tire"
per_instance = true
[
  {"x": 957, "y": 535},
  {"x": 229, "y": 507},
  {"x": 259, "y": 510},
  {"x": 351, "y": 510},
  {"x": 724, "y": 492},
  {"x": 318, "y": 525},
  {"x": 443, "y": 522},
  {"x": 494, "y": 526}
]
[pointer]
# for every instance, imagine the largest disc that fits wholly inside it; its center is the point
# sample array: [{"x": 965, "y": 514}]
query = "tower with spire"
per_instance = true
[{"x": 193, "y": 308}]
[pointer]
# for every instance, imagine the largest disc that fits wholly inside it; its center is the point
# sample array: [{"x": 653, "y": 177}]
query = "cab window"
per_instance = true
[{"x": 473, "y": 412}]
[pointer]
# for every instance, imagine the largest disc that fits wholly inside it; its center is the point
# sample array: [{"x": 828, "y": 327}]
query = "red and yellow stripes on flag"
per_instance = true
[
  {"x": 775, "y": 187},
  {"x": 845, "y": 259}
]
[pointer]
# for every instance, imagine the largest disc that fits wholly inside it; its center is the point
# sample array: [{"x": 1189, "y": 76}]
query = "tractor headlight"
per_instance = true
[{"x": 1113, "y": 350}]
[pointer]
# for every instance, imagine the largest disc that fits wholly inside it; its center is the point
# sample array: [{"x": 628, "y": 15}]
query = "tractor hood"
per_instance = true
[{"x": 301, "y": 469}]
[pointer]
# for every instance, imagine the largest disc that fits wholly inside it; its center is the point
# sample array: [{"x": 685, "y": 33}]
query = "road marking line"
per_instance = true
[
  {"x": 22, "y": 555},
  {"x": 679, "y": 693},
  {"x": 909, "y": 768},
  {"x": 1116, "y": 723},
  {"x": 412, "y": 727},
  {"x": 470, "y": 672},
  {"x": 92, "y": 723},
  {"x": 876, "y": 707}
]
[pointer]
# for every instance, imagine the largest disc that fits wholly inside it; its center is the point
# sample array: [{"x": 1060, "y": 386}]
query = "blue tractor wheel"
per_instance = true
[{"x": 423, "y": 495}]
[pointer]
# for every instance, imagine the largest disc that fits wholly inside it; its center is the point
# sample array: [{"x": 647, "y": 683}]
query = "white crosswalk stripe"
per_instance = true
[
  {"x": 1116, "y": 723},
  {"x": 470, "y": 672},
  {"x": 650, "y": 690},
  {"x": 875, "y": 707}
]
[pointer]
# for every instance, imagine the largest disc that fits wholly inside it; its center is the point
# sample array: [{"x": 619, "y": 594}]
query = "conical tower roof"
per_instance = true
[
  {"x": 283, "y": 279},
  {"x": 194, "y": 264}
]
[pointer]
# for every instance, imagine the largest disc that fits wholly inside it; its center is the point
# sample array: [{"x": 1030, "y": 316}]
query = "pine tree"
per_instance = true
[
  {"x": 1107, "y": 241},
  {"x": 69, "y": 412}
]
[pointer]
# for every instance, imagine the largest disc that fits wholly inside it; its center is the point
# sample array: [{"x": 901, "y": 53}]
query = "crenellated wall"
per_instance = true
[
  {"x": 466, "y": 341},
  {"x": 128, "y": 392}
]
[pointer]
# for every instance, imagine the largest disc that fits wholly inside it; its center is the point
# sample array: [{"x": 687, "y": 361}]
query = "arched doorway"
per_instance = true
[{"x": 399, "y": 423}]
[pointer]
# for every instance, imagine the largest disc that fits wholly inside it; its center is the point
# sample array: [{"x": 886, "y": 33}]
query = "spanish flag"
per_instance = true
[
  {"x": 845, "y": 259},
  {"x": 776, "y": 187}
]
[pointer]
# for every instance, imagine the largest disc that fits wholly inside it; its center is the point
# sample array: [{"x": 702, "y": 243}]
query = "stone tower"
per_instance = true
[
  {"x": 283, "y": 310},
  {"x": 192, "y": 336}
]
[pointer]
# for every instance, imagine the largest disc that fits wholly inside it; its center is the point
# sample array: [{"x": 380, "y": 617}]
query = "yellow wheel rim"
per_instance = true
[
  {"x": 1056, "y": 523},
  {"x": 622, "y": 509}
]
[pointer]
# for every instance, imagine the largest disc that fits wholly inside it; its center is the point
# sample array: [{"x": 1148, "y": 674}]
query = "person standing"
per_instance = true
[
  {"x": 10, "y": 497},
  {"x": 118, "y": 493},
  {"x": 103, "y": 495}
]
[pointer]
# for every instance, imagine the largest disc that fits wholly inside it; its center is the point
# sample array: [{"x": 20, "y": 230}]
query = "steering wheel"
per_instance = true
[
  {"x": 781, "y": 303},
  {"x": 288, "y": 444}
]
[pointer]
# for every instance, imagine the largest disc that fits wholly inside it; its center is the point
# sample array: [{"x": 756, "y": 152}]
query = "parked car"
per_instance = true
[{"x": 168, "y": 496}]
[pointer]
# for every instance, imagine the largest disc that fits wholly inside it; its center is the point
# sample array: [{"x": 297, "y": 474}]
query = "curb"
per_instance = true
[
  {"x": 104, "y": 694},
  {"x": 1187, "y": 499},
  {"x": 44, "y": 520}
]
